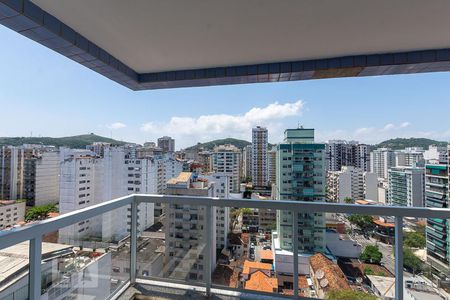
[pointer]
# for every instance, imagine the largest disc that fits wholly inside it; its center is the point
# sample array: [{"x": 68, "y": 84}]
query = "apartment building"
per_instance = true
[
  {"x": 88, "y": 179},
  {"x": 226, "y": 160},
  {"x": 436, "y": 153},
  {"x": 220, "y": 183},
  {"x": 406, "y": 186},
  {"x": 301, "y": 177},
  {"x": 30, "y": 172},
  {"x": 167, "y": 168},
  {"x": 167, "y": 144},
  {"x": 41, "y": 178},
  {"x": 437, "y": 231},
  {"x": 247, "y": 161},
  {"x": 370, "y": 186},
  {"x": 346, "y": 183},
  {"x": 341, "y": 153},
  {"x": 186, "y": 228},
  {"x": 260, "y": 174},
  {"x": 272, "y": 165},
  {"x": 11, "y": 213},
  {"x": 12, "y": 163},
  {"x": 412, "y": 156},
  {"x": 381, "y": 160}
]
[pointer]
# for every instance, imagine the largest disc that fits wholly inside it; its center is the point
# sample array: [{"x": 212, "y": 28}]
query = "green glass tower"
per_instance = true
[{"x": 301, "y": 177}]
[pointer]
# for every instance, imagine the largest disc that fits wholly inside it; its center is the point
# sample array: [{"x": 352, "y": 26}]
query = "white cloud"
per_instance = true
[
  {"x": 373, "y": 135},
  {"x": 116, "y": 125},
  {"x": 405, "y": 124},
  {"x": 189, "y": 130}
]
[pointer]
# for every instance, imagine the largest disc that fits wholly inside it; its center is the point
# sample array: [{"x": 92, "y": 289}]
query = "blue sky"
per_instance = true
[{"x": 44, "y": 93}]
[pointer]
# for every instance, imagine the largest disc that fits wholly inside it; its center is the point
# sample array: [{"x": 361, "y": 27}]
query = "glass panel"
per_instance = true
[
  {"x": 88, "y": 259},
  {"x": 175, "y": 247},
  {"x": 14, "y": 266}
]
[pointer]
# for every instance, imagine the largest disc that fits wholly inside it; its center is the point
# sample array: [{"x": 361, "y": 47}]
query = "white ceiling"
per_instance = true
[{"x": 164, "y": 35}]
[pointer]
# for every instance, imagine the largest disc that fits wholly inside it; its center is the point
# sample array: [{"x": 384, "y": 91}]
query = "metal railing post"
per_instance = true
[
  {"x": 208, "y": 247},
  {"x": 398, "y": 257},
  {"x": 133, "y": 241},
  {"x": 295, "y": 251},
  {"x": 35, "y": 256}
]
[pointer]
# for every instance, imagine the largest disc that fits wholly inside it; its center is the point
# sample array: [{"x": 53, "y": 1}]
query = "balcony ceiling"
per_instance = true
[{"x": 151, "y": 37}]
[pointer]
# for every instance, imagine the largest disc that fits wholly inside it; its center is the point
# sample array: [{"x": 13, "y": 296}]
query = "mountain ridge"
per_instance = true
[{"x": 76, "y": 141}]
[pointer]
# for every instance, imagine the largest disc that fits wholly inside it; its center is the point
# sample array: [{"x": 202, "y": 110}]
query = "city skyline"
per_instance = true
[{"x": 60, "y": 92}]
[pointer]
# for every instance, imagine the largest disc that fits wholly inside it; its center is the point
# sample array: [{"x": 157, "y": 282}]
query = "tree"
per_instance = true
[
  {"x": 411, "y": 262},
  {"x": 371, "y": 254},
  {"x": 415, "y": 239},
  {"x": 39, "y": 212},
  {"x": 364, "y": 222},
  {"x": 348, "y": 295},
  {"x": 247, "y": 211},
  {"x": 348, "y": 200},
  {"x": 368, "y": 271}
]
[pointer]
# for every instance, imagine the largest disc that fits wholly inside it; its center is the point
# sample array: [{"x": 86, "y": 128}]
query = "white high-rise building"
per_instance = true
[
  {"x": 347, "y": 183},
  {"x": 221, "y": 183},
  {"x": 47, "y": 178},
  {"x": 409, "y": 157},
  {"x": 381, "y": 160},
  {"x": 437, "y": 154},
  {"x": 185, "y": 251},
  {"x": 87, "y": 179},
  {"x": 370, "y": 186},
  {"x": 260, "y": 174},
  {"x": 272, "y": 165},
  {"x": 226, "y": 160},
  {"x": 247, "y": 161}
]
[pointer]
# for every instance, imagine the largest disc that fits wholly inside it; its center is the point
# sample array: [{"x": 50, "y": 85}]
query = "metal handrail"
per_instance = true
[{"x": 34, "y": 232}]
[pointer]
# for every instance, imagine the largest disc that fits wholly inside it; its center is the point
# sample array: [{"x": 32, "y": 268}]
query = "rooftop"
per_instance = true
[
  {"x": 182, "y": 178},
  {"x": 259, "y": 281},
  {"x": 14, "y": 259},
  {"x": 254, "y": 266},
  {"x": 331, "y": 272}
]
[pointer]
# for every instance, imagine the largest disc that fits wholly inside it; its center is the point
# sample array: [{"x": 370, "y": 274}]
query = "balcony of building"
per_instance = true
[{"x": 92, "y": 268}]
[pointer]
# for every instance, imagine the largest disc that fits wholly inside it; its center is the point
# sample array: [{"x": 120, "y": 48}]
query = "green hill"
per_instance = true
[
  {"x": 77, "y": 141},
  {"x": 210, "y": 145},
  {"x": 401, "y": 143}
]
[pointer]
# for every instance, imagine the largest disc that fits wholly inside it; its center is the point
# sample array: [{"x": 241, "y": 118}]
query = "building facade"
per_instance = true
[
  {"x": 186, "y": 225},
  {"x": 437, "y": 231},
  {"x": 410, "y": 157},
  {"x": 345, "y": 184},
  {"x": 11, "y": 213},
  {"x": 381, "y": 160},
  {"x": 167, "y": 144},
  {"x": 341, "y": 153},
  {"x": 226, "y": 160},
  {"x": 406, "y": 186},
  {"x": 301, "y": 177},
  {"x": 260, "y": 174}
]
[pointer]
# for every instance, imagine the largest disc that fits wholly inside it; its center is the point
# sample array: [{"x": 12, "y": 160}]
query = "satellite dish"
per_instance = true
[
  {"x": 359, "y": 280},
  {"x": 324, "y": 283},
  {"x": 320, "y": 274}
]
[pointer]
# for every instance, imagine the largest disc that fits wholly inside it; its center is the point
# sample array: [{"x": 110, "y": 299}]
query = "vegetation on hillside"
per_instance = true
[
  {"x": 77, "y": 141},
  {"x": 210, "y": 145},
  {"x": 402, "y": 143}
]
